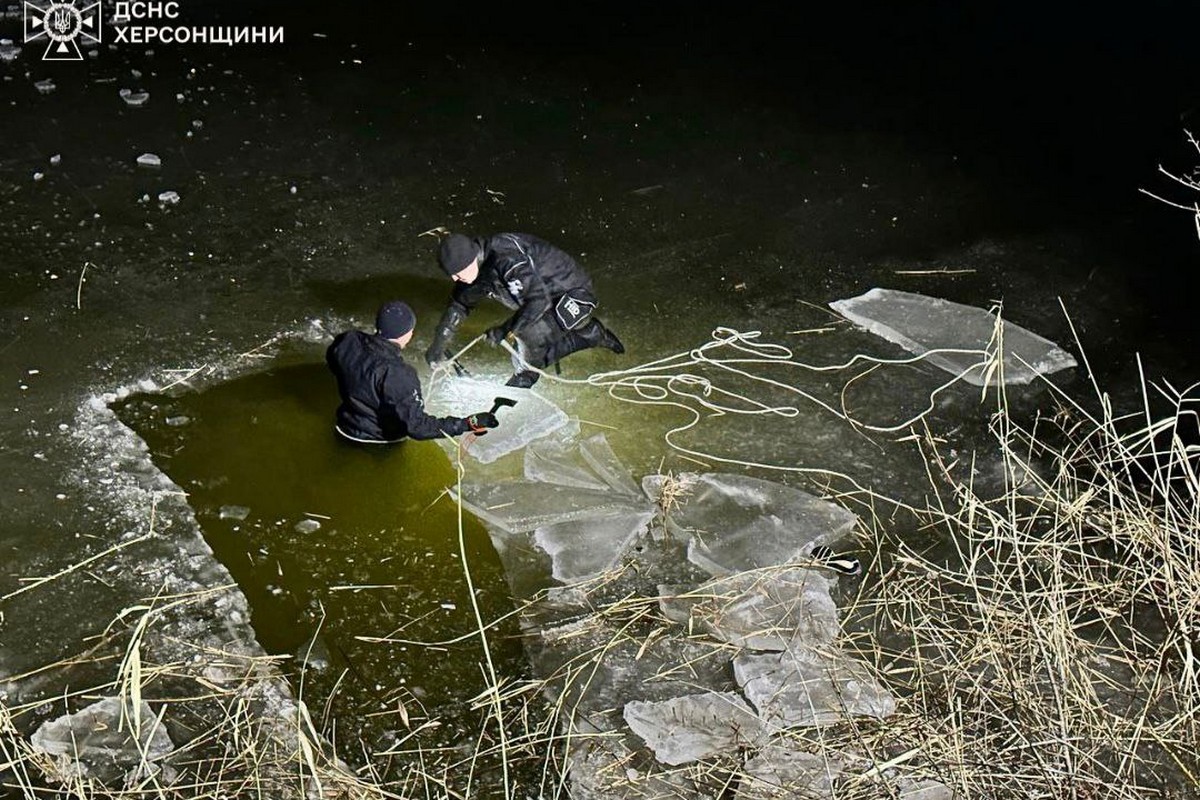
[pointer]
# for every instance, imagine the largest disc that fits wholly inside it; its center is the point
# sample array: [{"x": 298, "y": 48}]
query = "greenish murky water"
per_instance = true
[{"x": 335, "y": 545}]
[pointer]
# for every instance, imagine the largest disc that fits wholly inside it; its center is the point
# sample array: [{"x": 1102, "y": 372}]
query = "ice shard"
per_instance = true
[
  {"x": 796, "y": 688},
  {"x": 99, "y": 741},
  {"x": 531, "y": 418},
  {"x": 689, "y": 728},
  {"x": 923, "y": 324}
]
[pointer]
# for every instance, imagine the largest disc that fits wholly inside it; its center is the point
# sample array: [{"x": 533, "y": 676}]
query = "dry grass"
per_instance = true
[{"x": 1046, "y": 649}]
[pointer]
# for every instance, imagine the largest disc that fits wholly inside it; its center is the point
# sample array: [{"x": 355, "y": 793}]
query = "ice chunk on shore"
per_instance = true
[
  {"x": 532, "y": 418},
  {"x": 97, "y": 741},
  {"x": 582, "y": 549},
  {"x": 795, "y": 688},
  {"x": 764, "y": 610},
  {"x": 149, "y": 160},
  {"x": 920, "y": 324},
  {"x": 686, "y": 729},
  {"x": 736, "y": 523}
]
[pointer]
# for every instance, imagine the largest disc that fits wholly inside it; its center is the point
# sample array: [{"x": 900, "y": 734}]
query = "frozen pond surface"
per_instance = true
[{"x": 303, "y": 183}]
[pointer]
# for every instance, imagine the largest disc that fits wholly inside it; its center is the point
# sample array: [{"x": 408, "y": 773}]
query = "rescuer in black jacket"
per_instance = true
[
  {"x": 381, "y": 396},
  {"x": 551, "y": 295}
]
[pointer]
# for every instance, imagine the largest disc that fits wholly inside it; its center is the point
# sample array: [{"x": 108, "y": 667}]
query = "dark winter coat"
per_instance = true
[
  {"x": 527, "y": 275},
  {"x": 381, "y": 396}
]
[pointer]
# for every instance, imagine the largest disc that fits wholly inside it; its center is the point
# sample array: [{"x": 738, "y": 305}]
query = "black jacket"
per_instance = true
[
  {"x": 524, "y": 273},
  {"x": 381, "y": 396}
]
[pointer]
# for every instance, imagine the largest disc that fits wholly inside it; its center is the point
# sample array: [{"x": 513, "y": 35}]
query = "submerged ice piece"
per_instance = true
[
  {"x": 531, "y": 418},
  {"x": 920, "y": 324},
  {"x": 736, "y": 523},
  {"x": 806, "y": 688}
]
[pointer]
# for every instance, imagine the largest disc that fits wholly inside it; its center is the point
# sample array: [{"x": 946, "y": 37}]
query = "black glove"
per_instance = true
[
  {"x": 435, "y": 354},
  {"x": 479, "y": 423},
  {"x": 496, "y": 335}
]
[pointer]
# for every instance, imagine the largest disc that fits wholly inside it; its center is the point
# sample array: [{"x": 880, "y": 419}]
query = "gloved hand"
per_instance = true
[
  {"x": 479, "y": 423},
  {"x": 496, "y": 335},
  {"x": 435, "y": 355}
]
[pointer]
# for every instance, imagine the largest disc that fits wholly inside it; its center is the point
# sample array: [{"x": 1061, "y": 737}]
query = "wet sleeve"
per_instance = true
[{"x": 403, "y": 392}]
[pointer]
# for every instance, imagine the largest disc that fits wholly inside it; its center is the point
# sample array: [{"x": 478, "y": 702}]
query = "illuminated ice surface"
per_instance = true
[
  {"x": 736, "y": 523},
  {"x": 769, "y": 610},
  {"x": 808, "y": 688},
  {"x": 920, "y": 324},
  {"x": 583, "y": 549},
  {"x": 520, "y": 506},
  {"x": 599, "y": 455},
  {"x": 552, "y": 461},
  {"x": 532, "y": 418}
]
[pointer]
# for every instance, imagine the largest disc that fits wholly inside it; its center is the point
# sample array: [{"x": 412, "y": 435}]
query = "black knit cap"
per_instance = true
[
  {"x": 456, "y": 253},
  {"x": 395, "y": 319}
]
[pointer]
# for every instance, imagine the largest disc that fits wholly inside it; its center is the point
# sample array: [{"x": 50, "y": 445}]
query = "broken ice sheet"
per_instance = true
[
  {"x": 520, "y": 506},
  {"x": 805, "y": 688},
  {"x": 531, "y": 418},
  {"x": 689, "y": 728},
  {"x": 599, "y": 455},
  {"x": 551, "y": 461},
  {"x": 583, "y": 549},
  {"x": 736, "y": 523},
  {"x": 764, "y": 609},
  {"x": 920, "y": 324}
]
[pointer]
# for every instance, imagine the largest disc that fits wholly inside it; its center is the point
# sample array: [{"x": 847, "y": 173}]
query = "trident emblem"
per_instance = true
[{"x": 62, "y": 23}]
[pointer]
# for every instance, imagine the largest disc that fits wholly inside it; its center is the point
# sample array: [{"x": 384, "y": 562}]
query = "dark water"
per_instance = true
[{"x": 709, "y": 165}]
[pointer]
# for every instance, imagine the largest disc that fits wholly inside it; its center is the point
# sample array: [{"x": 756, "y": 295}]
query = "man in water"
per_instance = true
[
  {"x": 551, "y": 295},
  {"x": 381, "y": 396}
]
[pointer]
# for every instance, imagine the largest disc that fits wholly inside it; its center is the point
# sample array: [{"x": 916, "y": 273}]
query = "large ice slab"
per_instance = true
[
  {"x": 582, "y": 549},
  {"x": 920, "y": 324},
  {"x": 736, "y": 523},
  {"x": 793, "y": 688},
  {"x": 689, "y": 728},
  {"x": 520, "y": 506},
  {"x": 532, "y": 418},
  {"x": 97, "y": 741},
  {"x": 766, "y": 610}
]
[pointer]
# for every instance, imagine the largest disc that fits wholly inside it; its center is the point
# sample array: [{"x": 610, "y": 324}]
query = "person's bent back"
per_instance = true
[{"x": 381, "y": 395}]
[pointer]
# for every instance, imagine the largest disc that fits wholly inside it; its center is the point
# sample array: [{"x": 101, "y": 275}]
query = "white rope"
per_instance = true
[{"x": 672, "y": 381}]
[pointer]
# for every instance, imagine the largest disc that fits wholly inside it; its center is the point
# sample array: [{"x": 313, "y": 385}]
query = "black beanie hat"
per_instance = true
[
  {"x": 456, "y": 253},
  {"x": 395, "y": 319}
]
